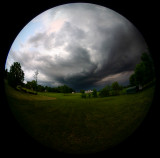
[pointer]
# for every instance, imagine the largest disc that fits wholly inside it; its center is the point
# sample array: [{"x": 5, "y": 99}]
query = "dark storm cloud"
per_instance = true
[
  {"x": 124, "y": 49},
  {"x": 94, "y": 46},
  {"x": 120, "y": 48},
  {"x": 73, "y": 71}
]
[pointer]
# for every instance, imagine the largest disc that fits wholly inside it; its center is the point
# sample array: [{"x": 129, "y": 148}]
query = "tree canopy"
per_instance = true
[
  {"x": 144, "y": 71},
  {"x": 16, "y": 75},
  {"x": 115, "y": 88},
  {"x": 105, "y": 91},
  {"x": 94, "y": 93},
  {"x": 31, "y": 85},
  {"x": 59, "y": 89}
]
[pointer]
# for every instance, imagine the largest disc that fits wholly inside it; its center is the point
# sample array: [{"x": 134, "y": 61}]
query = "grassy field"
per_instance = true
[{"x": 71, "y": 124}]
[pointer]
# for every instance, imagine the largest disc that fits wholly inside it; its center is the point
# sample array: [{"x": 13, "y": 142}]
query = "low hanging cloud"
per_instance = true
[{"x": 81, "y": 45}]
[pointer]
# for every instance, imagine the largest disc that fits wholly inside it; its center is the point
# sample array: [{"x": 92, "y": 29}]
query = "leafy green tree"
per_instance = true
[
  {"x": 31, "y": 85},
  {"x": 132, "y": 80},
  {"x": 149, "y": 73},
  {"x": 83, "y": 95},
  {"x": 40, "y": 88},
  {"x": 82, "y": 90},
  {"x": 65, "y": 89},
  {"x": 47, "y": 89},
  {"x": 94, "y": 93},
  {"x": 144, "y": 71},
  {"x": 16, "y": 75},
  {"x": 140, "y": 73},
  {"x": 89, "y": 95},
  {"x": 115, "y": 88},
  {"x": 105, "y": 91}
]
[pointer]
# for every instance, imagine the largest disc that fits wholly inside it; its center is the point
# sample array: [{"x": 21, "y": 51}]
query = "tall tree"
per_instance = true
[
  {"x": 144, "y": 71},
  {"x": 149, "y": 73},
  {"x": 94, "y": 93},
  {"x": 132, "y": 80},
  {"x": 140, "y": 71},
  {"x": 115, "y": 88},
  {"x": 16, "y": 75},
  {"x": 105, "y": 91},
  {"x": 31, "y": 85}
]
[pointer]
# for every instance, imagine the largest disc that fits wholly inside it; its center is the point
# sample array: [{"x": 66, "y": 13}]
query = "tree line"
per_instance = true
[
  {"x": 111, "y": 90},
  {"x": 60, "y": 89},
  {"x": 108, "y": 90},
  {"x": 144, "y": 73},
  {"x": 16, "y": 75}
]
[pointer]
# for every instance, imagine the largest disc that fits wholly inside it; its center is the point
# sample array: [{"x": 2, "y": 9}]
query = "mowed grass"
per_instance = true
[{"x": 75, "y": 125}]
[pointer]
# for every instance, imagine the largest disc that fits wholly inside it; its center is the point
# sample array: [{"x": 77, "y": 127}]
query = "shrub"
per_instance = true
[
  {"x": 89, "y": 95},
  {"x": 19, "y": 87},
  {"x": 22, "y": 89},
  {"x": 94, "y": 93},
  {"x": 83, "y": 95}
]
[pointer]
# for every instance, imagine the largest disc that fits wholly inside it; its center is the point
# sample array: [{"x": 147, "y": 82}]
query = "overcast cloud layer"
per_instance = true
[{"x": 81, "y": 45}]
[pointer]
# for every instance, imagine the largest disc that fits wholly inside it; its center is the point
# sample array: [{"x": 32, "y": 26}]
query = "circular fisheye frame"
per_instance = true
[{"x": 79, "y": 78}]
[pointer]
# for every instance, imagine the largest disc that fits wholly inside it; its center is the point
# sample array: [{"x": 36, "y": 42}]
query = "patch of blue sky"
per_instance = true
[{"x": 28, "y": 31}]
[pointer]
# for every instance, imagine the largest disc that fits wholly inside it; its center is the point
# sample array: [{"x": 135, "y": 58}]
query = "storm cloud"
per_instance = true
[{"x": 81, "y": 45}]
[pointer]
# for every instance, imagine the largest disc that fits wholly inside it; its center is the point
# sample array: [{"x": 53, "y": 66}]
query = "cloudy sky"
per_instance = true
[{"x": 81, "y": 45}]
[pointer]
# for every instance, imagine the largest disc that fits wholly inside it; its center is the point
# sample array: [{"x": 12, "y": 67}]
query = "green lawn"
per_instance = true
[{"x": 71, "y": 124}]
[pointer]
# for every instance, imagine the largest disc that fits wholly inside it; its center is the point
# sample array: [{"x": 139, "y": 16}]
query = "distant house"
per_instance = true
[
  {"x": 88, "y": 91},
  {"x": 132, "y": 90}
]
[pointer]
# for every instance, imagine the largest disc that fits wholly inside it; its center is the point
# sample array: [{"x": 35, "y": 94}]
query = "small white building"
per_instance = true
[{"x": 88, "y": 91}]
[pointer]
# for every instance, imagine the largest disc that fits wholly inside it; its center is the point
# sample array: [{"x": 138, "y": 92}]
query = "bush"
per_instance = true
[
  {"x": 89, "y": 95},
  {"x": 83, "y": 95},
  {"x": 19, "y": 87},
  {"x": 104, "y": 92},
  {"x": 123, "y": 91},
  {"x": 94, "y": 93},
  {"x": 22, "y": 89},
  {"x": 116, "y": 88},
  {"x": 82, "y": 91}
]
